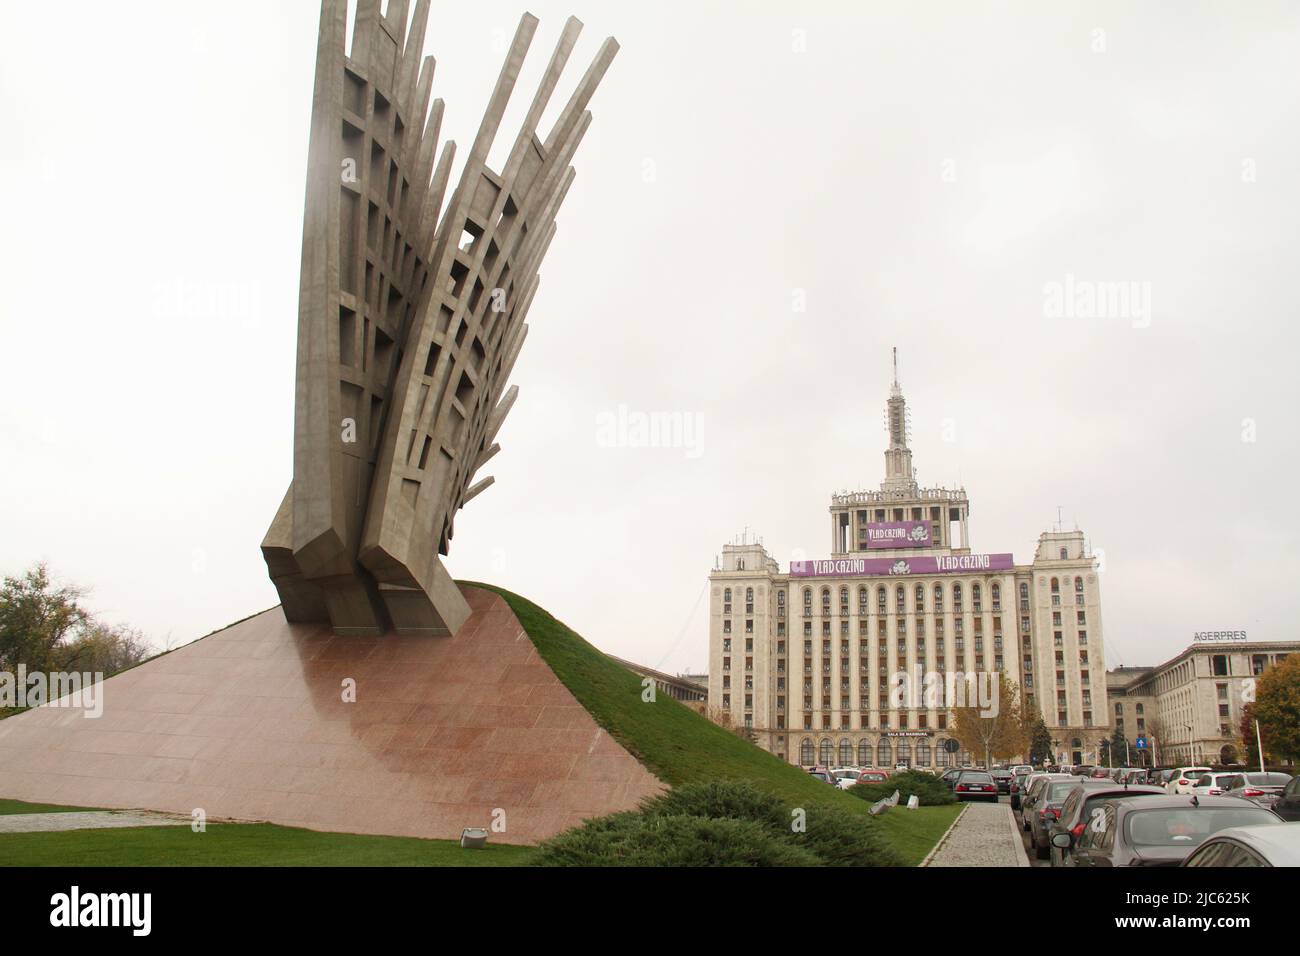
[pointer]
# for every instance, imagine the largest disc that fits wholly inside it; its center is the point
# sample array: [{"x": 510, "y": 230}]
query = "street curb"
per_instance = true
[
  {"x": 944, "y": 839},
  {"x": 1022, "y": 858}
]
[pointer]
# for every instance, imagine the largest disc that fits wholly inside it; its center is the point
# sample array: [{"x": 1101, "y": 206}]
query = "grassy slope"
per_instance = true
[
  {"x": 245, "y": 844},
  {"x": 680, "y": 746},
  {"x": 8, "y": 807}
]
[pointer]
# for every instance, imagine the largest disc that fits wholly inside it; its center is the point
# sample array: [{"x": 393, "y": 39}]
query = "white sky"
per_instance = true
[{"x": 919, "y": 171}]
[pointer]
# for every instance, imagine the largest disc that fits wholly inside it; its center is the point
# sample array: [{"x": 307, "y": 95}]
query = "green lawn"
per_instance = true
[
  {"x": 18, "y": 806},
  {"x": 243, "y": 844},
  {"x": 915, "y": 832}
]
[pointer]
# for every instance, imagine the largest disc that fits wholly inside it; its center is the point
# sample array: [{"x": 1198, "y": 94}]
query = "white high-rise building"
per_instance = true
[{"x": 807, "y": 657}]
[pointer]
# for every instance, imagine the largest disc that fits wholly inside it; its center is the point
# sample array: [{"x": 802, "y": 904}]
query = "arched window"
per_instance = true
[
  {"x": 726, "y": 595},
  {"x": 862, "y": 600},
  {"x": 780, "y": 598},
  {"x": 938, "y": 598},
  {"x": 826, "y": 752},
  {"x": 865, "y": 753},
  {"x": 749, "y": 595},
  {"x": 923, "y": 753},
  {"x": 944, "y": 758},
  {"x": 844, "y": 595},
  {"x": 976, "y": 595},
  {"x": 1078, "y": 585},
  {"x": 806, "y": 752},
  {"x": 1056, "y": 586},
  {"x": 1064, "y": 554},
  {"x": 826, "y": 600},
  {"x": 956, "y": 597},
  {"x": 881, "y": 599},
  {"x": 1024, "y": 591},
  {"x": 807, "y": 597},
  {"x": 884, "y": 754},
  {"x": 996, "y": 592},
  {"x": 920, "y": 598},
  {"x": 904, "y": 754},
  {"x": 846, "y": 752}
]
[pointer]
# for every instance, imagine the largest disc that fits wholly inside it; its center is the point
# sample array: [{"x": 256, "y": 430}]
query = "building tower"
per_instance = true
[{"x": 898, "y": 457}]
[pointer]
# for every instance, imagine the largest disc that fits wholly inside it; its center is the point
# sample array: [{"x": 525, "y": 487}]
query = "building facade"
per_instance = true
[
  {"x": 830, "y": 661},
  {"x": 1188, "y": 710}
]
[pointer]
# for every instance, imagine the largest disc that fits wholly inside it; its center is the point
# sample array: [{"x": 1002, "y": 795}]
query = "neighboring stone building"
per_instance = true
[
  {"x": 1189, "y": 708},
  {"x": 689, "y": 688},
  {"x": 807, "y": 658}
]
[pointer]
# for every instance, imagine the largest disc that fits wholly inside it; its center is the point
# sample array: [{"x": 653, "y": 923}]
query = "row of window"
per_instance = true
[{"x": 881, "y": 754}]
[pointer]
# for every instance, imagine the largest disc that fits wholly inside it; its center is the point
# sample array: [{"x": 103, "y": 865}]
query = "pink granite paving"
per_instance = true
[{"x": 250, "y": 724}]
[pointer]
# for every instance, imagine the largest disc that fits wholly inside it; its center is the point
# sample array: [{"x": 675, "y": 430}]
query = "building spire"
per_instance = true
[{"x": 898, "y": 458}]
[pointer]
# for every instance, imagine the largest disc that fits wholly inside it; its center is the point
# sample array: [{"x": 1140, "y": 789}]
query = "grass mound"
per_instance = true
[{"x": 676, "y": 744}]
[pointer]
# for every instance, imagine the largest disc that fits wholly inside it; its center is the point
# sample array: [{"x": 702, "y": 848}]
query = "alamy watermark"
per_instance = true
[
  {"x": 53, "y": 689},
  {"x": 1091, "y": 299},
  {"x": 945, "y": 690},
  {"x": 629, "y": 428}
]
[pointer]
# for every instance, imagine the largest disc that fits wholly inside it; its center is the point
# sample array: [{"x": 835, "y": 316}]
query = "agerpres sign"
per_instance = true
[
  {"x": 937, "y": 564},
  {"x": 898, "y": 534},
  {"x": 1214, "y": 637}
]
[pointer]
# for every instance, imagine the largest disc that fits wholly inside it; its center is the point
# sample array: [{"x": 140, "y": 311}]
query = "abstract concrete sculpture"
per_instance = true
[{"x": 408, "y": 326}]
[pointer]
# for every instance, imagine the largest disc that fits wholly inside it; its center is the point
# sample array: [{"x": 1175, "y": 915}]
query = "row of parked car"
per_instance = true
[
  {"x": 845, "y": 777},
  {"x": 1098, "y": 820}
]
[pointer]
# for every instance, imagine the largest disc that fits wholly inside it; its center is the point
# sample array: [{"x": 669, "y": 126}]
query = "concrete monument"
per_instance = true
[{"x": 408, "y": 324}]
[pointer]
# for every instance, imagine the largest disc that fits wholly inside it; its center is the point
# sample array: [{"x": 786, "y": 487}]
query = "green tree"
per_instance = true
[
  {"x": 1277, "y": 708},
  {"x": 36, "y": 618},
  {"x": 1116, "y": 751},
  {"x": 1040, "y": 743},
  {"x": 44, "y": 627}
]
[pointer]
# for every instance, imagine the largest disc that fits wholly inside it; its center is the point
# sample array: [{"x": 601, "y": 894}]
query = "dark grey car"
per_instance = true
[
  {"x": 1288, "y": 806},
  {"x": 1080, "y": 808},
  {"x": 1048, "y": 806},
  {"x": 1159, "y": 831},
  {"x": 1028, "y": 798}
]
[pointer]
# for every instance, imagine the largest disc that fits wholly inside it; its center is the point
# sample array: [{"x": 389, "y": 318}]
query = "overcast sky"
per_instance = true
[{"x": 770, "y": 197}]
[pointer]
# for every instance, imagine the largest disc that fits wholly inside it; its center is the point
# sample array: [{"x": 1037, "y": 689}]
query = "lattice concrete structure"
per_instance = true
[{"x": 408, "y": 326}]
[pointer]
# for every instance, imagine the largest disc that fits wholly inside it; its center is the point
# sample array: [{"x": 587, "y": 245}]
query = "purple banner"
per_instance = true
[
  {"x": 938, "y": 564},
  {"x": 898, "y": 534}
]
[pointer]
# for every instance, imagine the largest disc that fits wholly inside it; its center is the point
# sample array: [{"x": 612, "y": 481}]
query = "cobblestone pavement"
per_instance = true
[
  {"x": 88, "y": 820},
  {"x": 985, "y": 835}
]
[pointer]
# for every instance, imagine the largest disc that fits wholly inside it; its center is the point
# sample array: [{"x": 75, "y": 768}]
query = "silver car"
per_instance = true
[
  {"x": 1264, "y": 789},
  {"x": 1249, "y": 846}
]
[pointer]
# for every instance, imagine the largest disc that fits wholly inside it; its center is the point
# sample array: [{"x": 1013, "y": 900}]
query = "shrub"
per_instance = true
[
  {"x": 839, "y": 838},
  {"x": 930, "y": 790},
  {"x": 639, "y": 839},
  {"x": 737, "y": 801},
  {"x": 721, "y": 824}
]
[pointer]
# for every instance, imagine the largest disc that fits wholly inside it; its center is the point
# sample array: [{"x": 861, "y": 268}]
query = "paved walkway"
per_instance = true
[
  {"x": 985, "y": 835},
  {"x": 87, "y": 820}
]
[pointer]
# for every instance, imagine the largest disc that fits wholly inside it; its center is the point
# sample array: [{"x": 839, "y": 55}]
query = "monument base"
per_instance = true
[{"x": 291, "y": 724}]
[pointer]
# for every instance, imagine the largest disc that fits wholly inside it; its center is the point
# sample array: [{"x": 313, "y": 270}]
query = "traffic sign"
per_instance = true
[{"x": 1141, "y": 743}]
